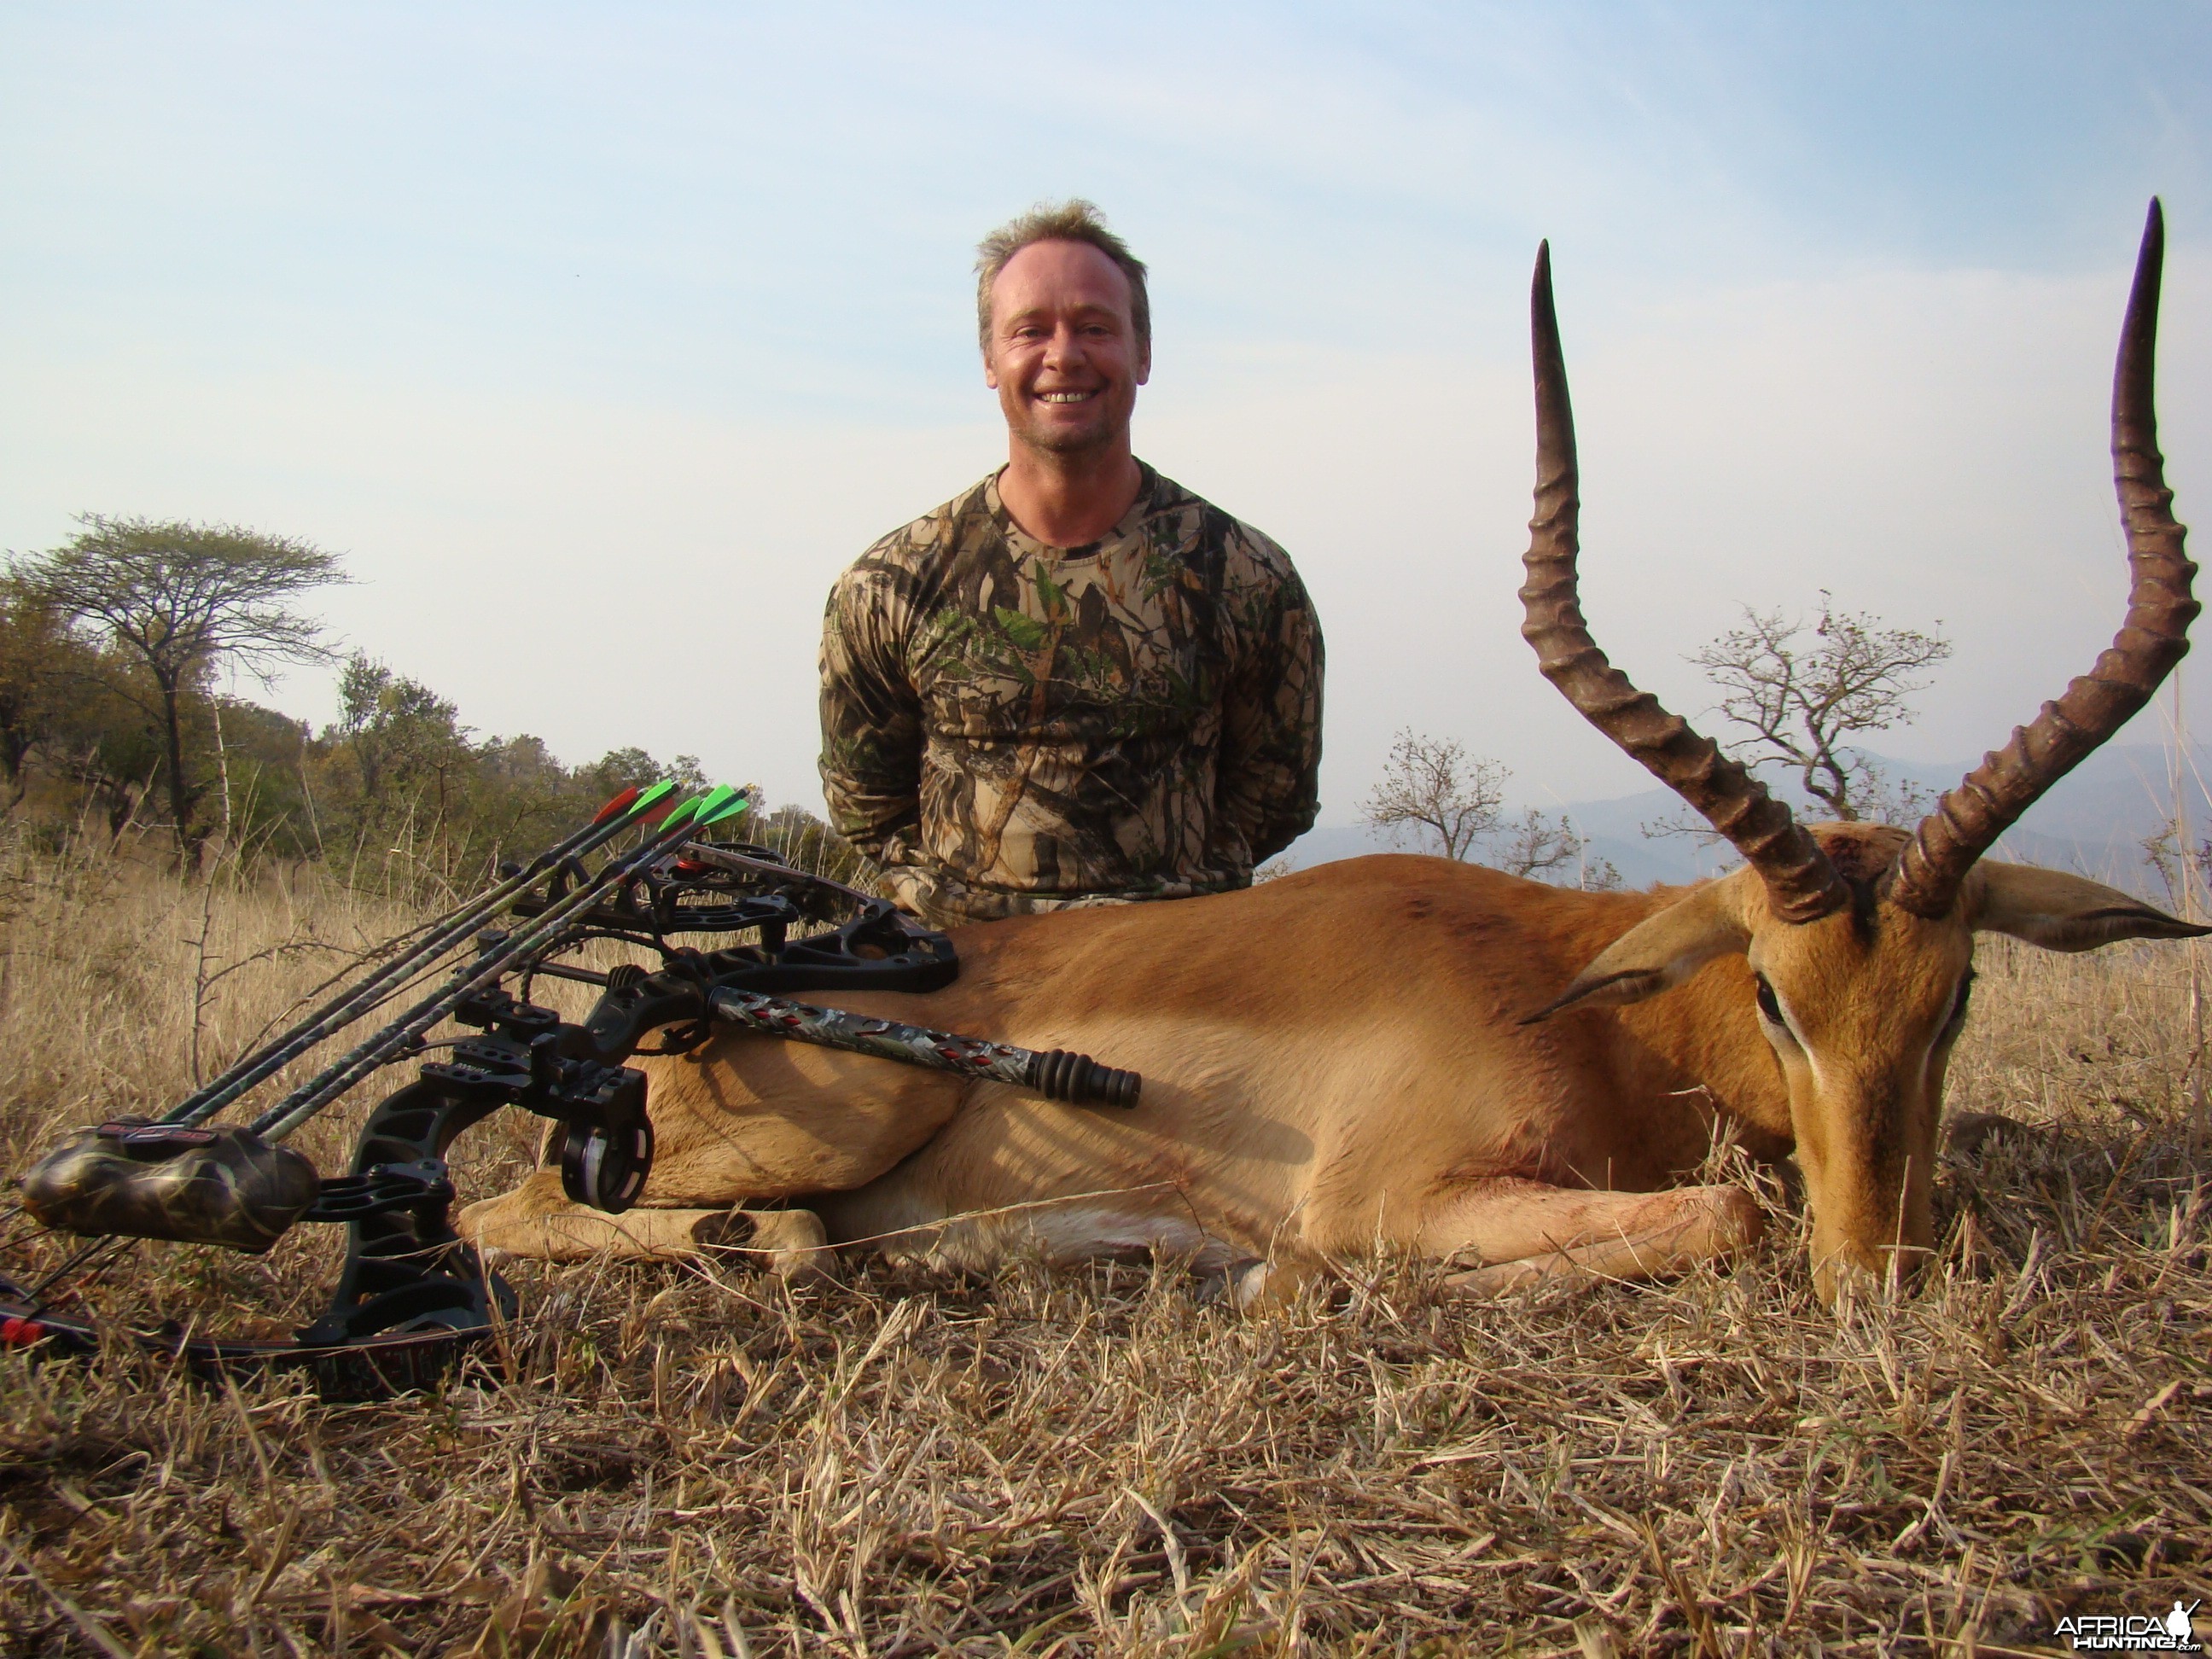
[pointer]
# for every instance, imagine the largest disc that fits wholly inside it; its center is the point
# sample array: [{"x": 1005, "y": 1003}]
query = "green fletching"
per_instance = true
[
  {"x": 722, "y": 813},
  {"x": 682, "y": 815},
  {"x": 713, "y": 806},
  {"x": 649, "y": 799}
]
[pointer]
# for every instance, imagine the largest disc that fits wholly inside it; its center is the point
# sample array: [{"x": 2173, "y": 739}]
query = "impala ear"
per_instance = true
[
  {"x": 1659, "y": 952},
  {"x": 2061, "y": 912}
]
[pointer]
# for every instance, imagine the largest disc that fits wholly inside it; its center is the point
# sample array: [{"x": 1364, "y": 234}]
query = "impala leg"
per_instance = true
[
  {"x": 538, "y": 1221},
  {"x": 1525, "y": 1233}
]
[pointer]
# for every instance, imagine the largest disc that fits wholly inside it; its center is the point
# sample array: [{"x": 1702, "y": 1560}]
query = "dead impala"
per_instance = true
[{"x": 1434, "y": 1056}]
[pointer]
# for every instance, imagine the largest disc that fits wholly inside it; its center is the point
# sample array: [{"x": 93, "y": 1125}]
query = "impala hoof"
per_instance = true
[
  {"x": 792, "y": 1244},
  {"x": 1257, "y": 1286}
]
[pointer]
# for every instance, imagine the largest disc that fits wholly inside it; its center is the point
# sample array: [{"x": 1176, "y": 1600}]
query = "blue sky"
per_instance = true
[{"x": 598, "y": 338}]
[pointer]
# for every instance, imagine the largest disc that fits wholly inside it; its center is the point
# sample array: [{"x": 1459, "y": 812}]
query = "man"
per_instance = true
[{"x": 1076, "y": 683}]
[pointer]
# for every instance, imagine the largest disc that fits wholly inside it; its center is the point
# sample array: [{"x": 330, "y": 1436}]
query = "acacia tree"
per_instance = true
[
  {"x": 175, "y": 599},
  {"x": 1437, "y": 797},
  {"x": 1802, "y": 700},
  {"x": 1434, "y": 793}
]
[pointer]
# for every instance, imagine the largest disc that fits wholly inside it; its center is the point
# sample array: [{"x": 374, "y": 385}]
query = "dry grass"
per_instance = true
[{"x": 675, "y": 1462}]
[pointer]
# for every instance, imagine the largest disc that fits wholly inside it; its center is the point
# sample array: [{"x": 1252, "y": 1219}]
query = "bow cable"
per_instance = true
[
  {"x": 359, "y": 1001},
  {"x": 342, "y": 1073}
]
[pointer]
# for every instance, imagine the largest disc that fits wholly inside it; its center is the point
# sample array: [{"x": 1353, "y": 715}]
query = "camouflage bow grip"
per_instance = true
[
  {"x": 140, "y": 1180},
  {"x": 1073, "y": 1079}
]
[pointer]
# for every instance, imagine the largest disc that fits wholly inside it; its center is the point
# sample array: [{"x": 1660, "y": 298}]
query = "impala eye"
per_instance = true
[
  {"x": 1769, "y": 1004},
  {"x": 1770, "y": 1010}
]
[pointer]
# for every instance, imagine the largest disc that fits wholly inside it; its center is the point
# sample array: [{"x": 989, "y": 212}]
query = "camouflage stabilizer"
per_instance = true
[
  {"x": 1076, "y": 1079},
  {"x": 190, "y": 1185}
]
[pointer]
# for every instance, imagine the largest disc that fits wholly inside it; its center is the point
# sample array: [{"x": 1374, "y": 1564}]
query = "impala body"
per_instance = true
[{"x": 1435, "y": 1056}]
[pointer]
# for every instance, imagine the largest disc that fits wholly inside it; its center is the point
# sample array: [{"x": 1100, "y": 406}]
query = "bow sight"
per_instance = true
[{"x": 412, "y": 1292}]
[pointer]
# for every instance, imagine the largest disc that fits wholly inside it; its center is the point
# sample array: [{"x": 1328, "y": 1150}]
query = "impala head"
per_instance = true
[{"x": 1860, "y": 937}]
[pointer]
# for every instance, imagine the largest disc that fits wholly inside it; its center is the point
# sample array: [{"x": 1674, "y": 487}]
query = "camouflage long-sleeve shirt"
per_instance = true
[{"x": 1008, "y": 726}]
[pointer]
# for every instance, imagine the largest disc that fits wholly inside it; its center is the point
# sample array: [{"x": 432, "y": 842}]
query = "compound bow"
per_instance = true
[{"x": 413, "y": 1295}]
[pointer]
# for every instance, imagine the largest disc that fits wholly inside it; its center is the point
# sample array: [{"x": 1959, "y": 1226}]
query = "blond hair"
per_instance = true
[{"x": 1072, "y": 221}]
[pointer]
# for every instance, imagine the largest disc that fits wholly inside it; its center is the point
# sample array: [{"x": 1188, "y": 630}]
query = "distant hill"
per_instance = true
[{"x": 2094, "y": 822}]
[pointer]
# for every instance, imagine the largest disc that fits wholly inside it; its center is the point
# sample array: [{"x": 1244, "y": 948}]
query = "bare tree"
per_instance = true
[
  {"x": 1545, "y": 849},
  {"x": 1802, "y": 696},
  {"x": 1438, "y": 798},
  {"x": 174, "y": 600},
  {"x": 1435, "y": 796}
]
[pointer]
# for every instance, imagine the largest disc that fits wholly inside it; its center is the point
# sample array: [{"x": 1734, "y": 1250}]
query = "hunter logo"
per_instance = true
[{"x": 2132, "y": 1632}]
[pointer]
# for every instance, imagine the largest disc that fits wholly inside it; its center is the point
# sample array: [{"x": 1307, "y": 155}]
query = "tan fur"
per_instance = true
[
  {"x": 538, "y": 1220},
  {"x": 1340, "y": 1060}
]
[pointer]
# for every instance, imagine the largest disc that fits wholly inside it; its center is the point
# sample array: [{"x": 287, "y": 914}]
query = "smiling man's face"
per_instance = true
[{"x": 1064, "y": 357}]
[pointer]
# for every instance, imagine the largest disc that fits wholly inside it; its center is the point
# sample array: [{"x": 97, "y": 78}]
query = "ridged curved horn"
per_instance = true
[
  {"x": 1968, "y": 820},
  {"x": 1800, "y": 885}
]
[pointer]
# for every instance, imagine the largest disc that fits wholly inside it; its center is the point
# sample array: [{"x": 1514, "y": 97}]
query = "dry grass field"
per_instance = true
[{"x": 698, "y": 1462}]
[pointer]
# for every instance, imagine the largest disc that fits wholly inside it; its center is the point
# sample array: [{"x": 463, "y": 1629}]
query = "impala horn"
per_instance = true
[
  {"x": 1968, "y": 820},
  {"x": 1801, "y": 884}
]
